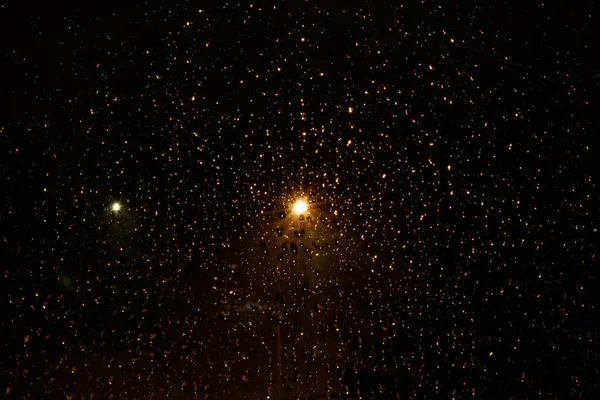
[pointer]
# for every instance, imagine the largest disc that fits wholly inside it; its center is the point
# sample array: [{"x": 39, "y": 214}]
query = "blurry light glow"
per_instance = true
[
  {"x": 300, "y": 207},
  {"x": 116, "y": 207}
]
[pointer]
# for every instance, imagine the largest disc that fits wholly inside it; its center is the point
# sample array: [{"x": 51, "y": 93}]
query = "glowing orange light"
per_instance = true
[{"x": 300, "y": 207}]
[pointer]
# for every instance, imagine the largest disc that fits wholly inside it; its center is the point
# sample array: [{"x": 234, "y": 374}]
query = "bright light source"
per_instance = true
[
  {"x": 116, "y": 207},
  {"x": 300, "y": 207}
]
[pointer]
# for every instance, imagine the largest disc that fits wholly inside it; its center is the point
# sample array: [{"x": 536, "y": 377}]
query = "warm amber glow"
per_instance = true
[
  {"x": 300, "y": 207},
  {"x": 116, "y": 207}
]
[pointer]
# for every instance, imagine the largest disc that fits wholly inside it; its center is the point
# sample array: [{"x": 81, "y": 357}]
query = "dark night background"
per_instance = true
[{"x": 448, "y": 153}]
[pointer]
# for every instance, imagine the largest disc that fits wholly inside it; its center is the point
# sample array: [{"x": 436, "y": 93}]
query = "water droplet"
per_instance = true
[{"x": 263, "y": 247}]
